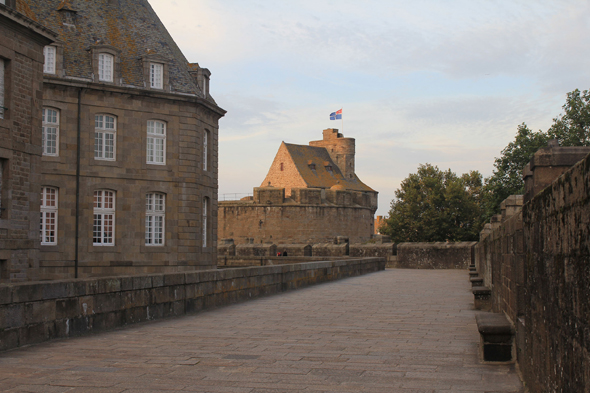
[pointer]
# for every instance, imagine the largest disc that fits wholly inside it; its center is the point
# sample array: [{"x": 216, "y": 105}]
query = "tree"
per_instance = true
[
  {"x": 573, "y": 127},
  {"x": 433, "y": 205},
  {"x": 507, "y": 179}
]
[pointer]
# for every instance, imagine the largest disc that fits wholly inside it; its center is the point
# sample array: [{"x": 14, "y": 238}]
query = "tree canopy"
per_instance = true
[
  {"x": 434, "y": 205},
  {"x": 572, "y": 128},
  {"x": 507, "y": 177}
]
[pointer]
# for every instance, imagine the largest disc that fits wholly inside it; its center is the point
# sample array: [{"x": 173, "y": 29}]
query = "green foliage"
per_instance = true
[
  {"x": 507, "y": 177},
  {"x": 573, "y": 127},
  {"x": 433, "y": 205}
]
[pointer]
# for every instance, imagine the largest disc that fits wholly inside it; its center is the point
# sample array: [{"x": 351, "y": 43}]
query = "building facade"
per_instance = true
[
  {"x": 21, "y": 81},
  {"x": 129, "y": 133},
  {"x": 311, "y": 194}
]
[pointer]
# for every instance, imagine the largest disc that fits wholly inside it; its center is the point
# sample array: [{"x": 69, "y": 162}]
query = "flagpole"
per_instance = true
[{"x": 342, "y": 119}]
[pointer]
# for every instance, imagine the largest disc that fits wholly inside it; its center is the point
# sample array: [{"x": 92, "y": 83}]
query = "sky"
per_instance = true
[{"x": 422, "y": 81}]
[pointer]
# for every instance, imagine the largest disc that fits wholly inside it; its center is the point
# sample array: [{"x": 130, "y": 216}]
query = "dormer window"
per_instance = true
[
  {"x": 329, "y": 168},
  {"x": 105, "y": 63},
  {"x": 105, "y": 67},
  {"x": 50, "y": 59},
  {"x": 155, "y": 71},
  {"x": 312, "y": 166},
  {"x": 156, "y": 76}
]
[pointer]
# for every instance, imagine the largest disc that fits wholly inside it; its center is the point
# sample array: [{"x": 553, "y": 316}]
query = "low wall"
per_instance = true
[
  {"x": 35, "y": 312},
  {"x": 434, "y": 255},
  {"x": 224, "y": 262}
]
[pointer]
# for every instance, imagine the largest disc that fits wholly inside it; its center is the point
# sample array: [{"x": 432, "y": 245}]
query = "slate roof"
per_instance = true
[
  {"x": 321, "y": 177},
  {"x": 131, "y": 26}
]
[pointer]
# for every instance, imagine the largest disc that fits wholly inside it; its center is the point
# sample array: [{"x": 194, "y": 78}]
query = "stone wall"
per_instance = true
[
  {"x": 405, "y": 255},
  {"x": 182, "y": 179},
  {"x": 434, "y": 255},
  {"x": 293, "y": 223},
  {"x": 35, "y": 312},
  {"x": 21, "y": 53},
  {"x": 537, "y": 265}
]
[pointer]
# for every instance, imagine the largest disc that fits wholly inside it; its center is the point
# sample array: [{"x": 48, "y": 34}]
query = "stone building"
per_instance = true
[
  {"x": 128, "y": 138},
  {"x": 21, "y": 80},
  {"x": 311, "y": 194}
]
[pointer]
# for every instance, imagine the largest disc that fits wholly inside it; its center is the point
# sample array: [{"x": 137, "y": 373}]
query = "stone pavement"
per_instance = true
[{"x": 393, "y": 331}]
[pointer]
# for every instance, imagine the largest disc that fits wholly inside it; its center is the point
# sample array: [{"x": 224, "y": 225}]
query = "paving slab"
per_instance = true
[{"x": 398, "y": 330}]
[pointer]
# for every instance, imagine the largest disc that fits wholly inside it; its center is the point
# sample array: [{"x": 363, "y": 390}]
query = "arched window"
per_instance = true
[
  {"x": 155, "y": 218},
  {"x": 205, "y": 217},
  {"x": 50, "y": 132},
  {"x": 105, "y": 137},
  {"x": 49, "y": 206},
  {"x": 103, "y": 232},
  {"x": 281, "y": 166},
  {"x": 156, "y": 142}
]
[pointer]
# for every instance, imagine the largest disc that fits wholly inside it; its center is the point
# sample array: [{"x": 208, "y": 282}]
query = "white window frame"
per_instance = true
[
  {"x": 49, "y": 216},
  {"x": 50, "y": 132},
  {"x": 156, "y": 142},
  {"x": 205, "y": 220},
  {"x": 155, "y": 219},
  {"x": 105, "y": 137},
  {"x": 103, "y": 225},
  {"x": 106, "y": 67},
  {"x": 50, "y": 53},
  {"x": 206, "y": 150},
  {"x": 2, "y": 83},
  {"x": 156, "y": 75}
]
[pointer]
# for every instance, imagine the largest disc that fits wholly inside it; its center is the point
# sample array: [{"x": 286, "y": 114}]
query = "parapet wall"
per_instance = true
[
  {"x": 537, "y": 264},
  {"x": 439, "y": 255},
  {"x": 405, "y": 255},
  {"x": 35, "y": 312},
  {"x": 294, "y": 223}
]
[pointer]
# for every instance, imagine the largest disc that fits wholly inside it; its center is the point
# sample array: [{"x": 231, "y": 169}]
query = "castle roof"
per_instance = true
[
  {"x": 129, "y": 26},
  {"x": 319, "y": 171}
]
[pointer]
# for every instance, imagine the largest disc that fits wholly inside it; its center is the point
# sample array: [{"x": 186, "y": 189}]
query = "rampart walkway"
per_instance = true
[{"x": 393, "y": 331}]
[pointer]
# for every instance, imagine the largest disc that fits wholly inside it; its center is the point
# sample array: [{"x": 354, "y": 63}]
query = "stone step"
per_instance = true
[{"x": 497, "y": 337}]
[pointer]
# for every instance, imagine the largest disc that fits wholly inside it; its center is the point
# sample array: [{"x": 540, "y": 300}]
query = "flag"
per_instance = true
[{"x": 336, "y": 115}]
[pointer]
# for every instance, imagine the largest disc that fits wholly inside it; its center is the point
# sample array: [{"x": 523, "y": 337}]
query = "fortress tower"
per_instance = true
[{"x": 341, "y": 150}]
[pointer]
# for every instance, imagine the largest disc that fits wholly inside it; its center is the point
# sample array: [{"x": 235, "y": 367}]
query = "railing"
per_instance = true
[{"x": 234, "y": 196}]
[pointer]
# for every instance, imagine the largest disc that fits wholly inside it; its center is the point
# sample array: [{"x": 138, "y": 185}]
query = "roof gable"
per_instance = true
[
  {"x": 319, "y": 171},
  {"x": 131, "y": 26}
]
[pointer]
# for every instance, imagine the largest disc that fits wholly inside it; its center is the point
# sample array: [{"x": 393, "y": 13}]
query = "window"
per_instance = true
[
  {"x": 156, "y": 75},
  {"x": 156, "y": 142},
  {"x": 2, "y": 109},
  {"x": 205, "y": 86},
  {"x": 155, "y": 214},
  {"x": 4, "y": 276},
  {"x": 105, "y": 128},
  {"x": 50, "y": 132},
  {"x": 205, "y": 213},
  {"x": 49, "y": 53},
  {"x": 104, "y": 218},
  {"x": 105, "y": 67},
  {"x": 48, "y": 225},
  {"x": 282, "y": 167},
  {"x": 205, "y": 150},
  {"x": 3, "y": 185}
]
